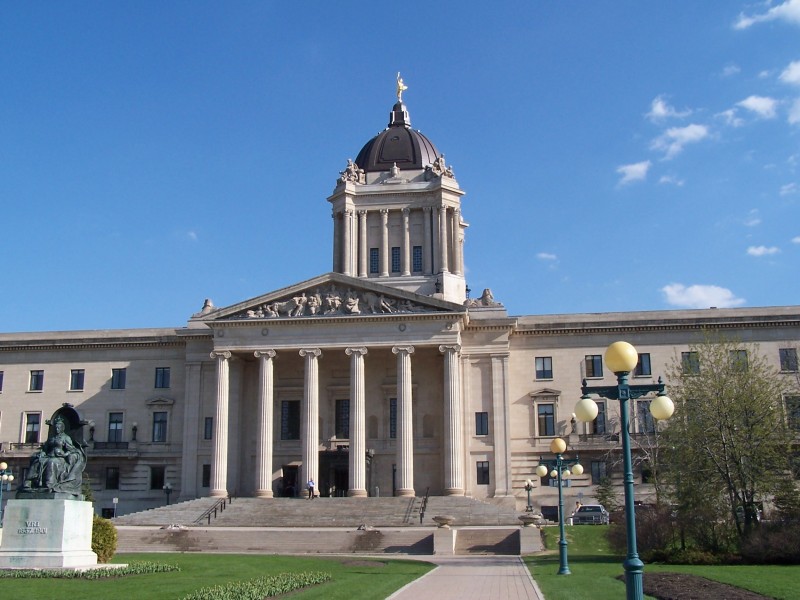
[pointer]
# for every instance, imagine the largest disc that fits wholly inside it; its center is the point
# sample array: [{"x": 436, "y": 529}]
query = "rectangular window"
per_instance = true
[
  {"x": 793, "y": 412},
  {"x": 118, "y": 379},
  {"x": 32, "y": 424},
  {"x": 481, "y": 423},
  {"x": 599, "y": 470},
  {"x": 416, "y": 259},
  {"x": 598, "y": 426},
  {"x": 690, "y": 363},
  {"x": 738, "y": 360},
  {"x": 647, "y": 424},
  {"x": 206, "y": 477},
  {"x": 643, "y": 366},
  {"x": 112, "y": 478},
  {"x": 395, "y": 259},
  {"x": 788, "y": 361},
  {"x": 76, "y": 380},
  {"x": 157, "y": 478},
  {"x": 162, "y": 377},
  {"x": 393, "y": 418},
  {"x": 208, "y": 428},
  {"x": 115, "y": 427},
  {"x": 544, "y": 367},
  {"x": 374, "y": 260},
  {"x": 160, "y": 427},
  {"x": 594, "y": 365},
  {"x": 1, "y": 381},
  {"x": 483, "y": 472},
  {"x": 37, "y": 381},
  {"x": 290, "y": 420},
  {"x": 546, "y": 419},
  {"x": 342, "y": 419}
]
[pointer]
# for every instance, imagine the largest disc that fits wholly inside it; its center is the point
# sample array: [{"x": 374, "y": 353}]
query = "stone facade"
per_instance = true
[{"x": 380, "y": 377}]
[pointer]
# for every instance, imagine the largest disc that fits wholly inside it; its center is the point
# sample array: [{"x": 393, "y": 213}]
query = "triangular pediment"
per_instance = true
[{"x": 329, "y": 296}]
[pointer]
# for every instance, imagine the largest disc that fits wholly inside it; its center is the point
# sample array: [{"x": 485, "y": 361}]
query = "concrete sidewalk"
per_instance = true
[{"x": 468, "y": 577}]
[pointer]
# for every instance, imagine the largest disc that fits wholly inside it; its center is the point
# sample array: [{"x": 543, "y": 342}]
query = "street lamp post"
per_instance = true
[
  {"x": 560, "y": 470},
  {"x": 6, "y": 477},
  {"x": 168, "y": 490},
  {"x": 621, "y": 358},
  {"x": 528, "y": 488}
]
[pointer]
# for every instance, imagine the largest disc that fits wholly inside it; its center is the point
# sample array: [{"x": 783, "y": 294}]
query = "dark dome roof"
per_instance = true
[{"x": 397, "y": 144}]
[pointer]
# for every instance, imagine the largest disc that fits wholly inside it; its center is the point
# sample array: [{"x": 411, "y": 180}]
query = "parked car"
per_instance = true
[{"x": 590, "y": 514}]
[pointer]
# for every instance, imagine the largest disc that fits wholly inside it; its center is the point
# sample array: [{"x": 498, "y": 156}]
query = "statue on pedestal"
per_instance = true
[{"x": 56, "y": 470}]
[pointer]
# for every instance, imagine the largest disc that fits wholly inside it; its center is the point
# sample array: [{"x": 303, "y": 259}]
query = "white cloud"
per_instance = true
[
  {"x": 546, "y": 256},
  {"x": 661, "y": 110},
  {"x": 633, "y": 172},
  {"x": 794, "y": 113},
  {"x": 796, "y": 239},
  {"x": 762, "y": 250},
  {"x": 730, "y": 70},
  {"x": 192, "y": 235},
  {"x": 763, "y": 106},
  {"x": 791, "y": 74},
  {"x": 730, "y": 118},
  {"x": 700, "y": 296},
  {"x": 665, "y": 179},
  {"x": 789, "y": 188},
  {"x": 789, "y": 12},
  {"x": 753, "y": 219},
  {"x": 674, "y": 139}
]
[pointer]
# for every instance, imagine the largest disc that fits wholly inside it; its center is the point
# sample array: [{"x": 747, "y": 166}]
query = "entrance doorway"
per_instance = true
[
  {"x": 334, "y": 472},
  {"x": 289, "y": 481}
]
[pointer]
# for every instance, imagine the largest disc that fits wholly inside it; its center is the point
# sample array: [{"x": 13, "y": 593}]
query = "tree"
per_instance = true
[{"x": 728, "y": 440}]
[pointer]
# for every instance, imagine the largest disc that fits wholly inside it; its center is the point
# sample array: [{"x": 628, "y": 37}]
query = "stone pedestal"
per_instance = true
[
  {"x": 47, "y": 534},
  {"x": 530, "y": 540},
  {"x": 444, "y": 541}
]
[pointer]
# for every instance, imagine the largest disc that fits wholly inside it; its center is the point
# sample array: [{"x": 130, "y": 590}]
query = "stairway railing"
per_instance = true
[
  {"x": 423, "y": 507},
  {"x": 219, "y": 505}
]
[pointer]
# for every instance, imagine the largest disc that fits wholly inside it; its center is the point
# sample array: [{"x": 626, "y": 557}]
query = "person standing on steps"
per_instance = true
[{"x": 310, "y": 489}]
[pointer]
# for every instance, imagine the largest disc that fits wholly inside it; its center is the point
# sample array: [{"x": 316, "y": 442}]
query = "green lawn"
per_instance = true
[
  {"x": 353, "y": 578},
  {"x": 594, "y": 570}
]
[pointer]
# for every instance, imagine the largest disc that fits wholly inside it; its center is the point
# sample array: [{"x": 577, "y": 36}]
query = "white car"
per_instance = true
[{"x": 590, "y": 514}]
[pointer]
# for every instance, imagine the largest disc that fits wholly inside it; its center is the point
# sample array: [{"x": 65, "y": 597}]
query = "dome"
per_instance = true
[{"x": 397, "y": 144}]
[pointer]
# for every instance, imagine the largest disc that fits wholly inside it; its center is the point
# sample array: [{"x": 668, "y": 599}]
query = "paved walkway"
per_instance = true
[{"x": 473, "y": 577}]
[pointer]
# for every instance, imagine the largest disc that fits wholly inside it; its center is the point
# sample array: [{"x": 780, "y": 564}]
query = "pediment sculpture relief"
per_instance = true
[
  {"x": 485, "y": 301},
  {"x": 332, "y": 300},
  {"x": 352, "y": 173}
]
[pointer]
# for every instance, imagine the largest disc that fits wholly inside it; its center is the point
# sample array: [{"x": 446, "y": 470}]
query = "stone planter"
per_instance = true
[
  {"x": 444, "y": 521},
  {"x": 530, "y": 520}
]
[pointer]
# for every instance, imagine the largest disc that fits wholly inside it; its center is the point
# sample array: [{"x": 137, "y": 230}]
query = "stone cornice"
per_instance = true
[{"x": 67, "y": 343}]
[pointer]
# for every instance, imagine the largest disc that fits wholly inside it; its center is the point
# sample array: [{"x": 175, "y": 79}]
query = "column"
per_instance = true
[
  {"x": 310, "y": 415},
  {"x": 337, "y": 243},
  {"x": 453, "y": 423},
  {"x": 358, "y": 437},
  {"x": 405, "y": 265},
  {"x": 458, "y": 259},
  {"x": 266, "y": 392},
  {"x": 347, "y": 243},
  {"x": 443, "y": 239},
  {"x": 363, "y": 251},
  {"x": 384, "y": 242},
  {"x": 219, "y": 467},
  {"x": 427, "y": 250},
  {"x": 405, "y": 431}
]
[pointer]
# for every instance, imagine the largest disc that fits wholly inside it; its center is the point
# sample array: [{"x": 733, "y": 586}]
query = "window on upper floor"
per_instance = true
[
  {"x": 342, "y": 419},
  {"x": 118, "y": 379},
  {"x": 112, "y": 478},
  {"x": 481, "y": 423},
  {"x": 544, "y": 367},
  {"x": 115, "y": 427},
  {"x": 1, "y": 381},
  {"x": 208, "y": 428},
  {"x": 598, "y": 426},
  {"x": 594, "y": 365},
  {"x": 482, "y": 472},
  {"x": 76, "y": 377},
  {"x": 643, "y": 366},
  {"x": 738, "y": 359},
  {"x": 599, "y": 470},
  {"x": 690, "y": 363},
  {"x": 290, "y": 420},
  {"x": 416, "y": 259},
  {"x": 36, "y": 383},
  {"x": 162, "y": 377},
  {"x": 159, "y": 426},
  {"x": 645, "y": 421},
  {"x": 792, "y": 412},
  {"x": 392, "y": 418},
  {"x": 395, "y": 259},
  {"x": 374, "y": 260},
  {"x": 32, "y": 426},
  {"x": 788, "y": 358},
  {"x": 545, "y": 419}
]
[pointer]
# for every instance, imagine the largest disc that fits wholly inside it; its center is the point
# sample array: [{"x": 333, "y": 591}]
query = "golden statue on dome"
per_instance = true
[{"x": 401, "y": 87}]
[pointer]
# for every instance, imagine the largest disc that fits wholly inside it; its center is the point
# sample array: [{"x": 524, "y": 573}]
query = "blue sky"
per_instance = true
[{"x": 630, "y": 155}]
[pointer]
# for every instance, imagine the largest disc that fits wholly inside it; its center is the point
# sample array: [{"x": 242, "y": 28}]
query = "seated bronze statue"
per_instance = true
[{"x": 57, "y": 468}]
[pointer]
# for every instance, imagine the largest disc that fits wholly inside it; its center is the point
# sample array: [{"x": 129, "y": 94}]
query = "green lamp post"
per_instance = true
[
  {"x": 560, "y": 471},
  {"x": 621, "y": 358}
]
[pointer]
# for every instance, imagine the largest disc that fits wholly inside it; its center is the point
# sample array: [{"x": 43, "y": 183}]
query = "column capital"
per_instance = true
[
  {"x": 358, "y": 350},
  {"x": 450, "y": 348},
  {"x": 347, "y": 212},
  {"x": 315, "y": 352},
  {"x": 362, "y": 212},
  {"x": 427, "y": 209},
  {"x": 226, "y": 354},
  {"x": 265, "y": 354},
  {"x": 406, "y": 349},
  {"x": 406, "y": 211},
  {"x": 384, "y": 211}
]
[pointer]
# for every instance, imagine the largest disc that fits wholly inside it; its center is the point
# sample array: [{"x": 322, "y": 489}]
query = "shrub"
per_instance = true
[
  {"x": 655, "y": 531},
  {"x": 773, "y": 543},
  {"x": 263, "y": 587},
  {"x": 104, "y": 539}
]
